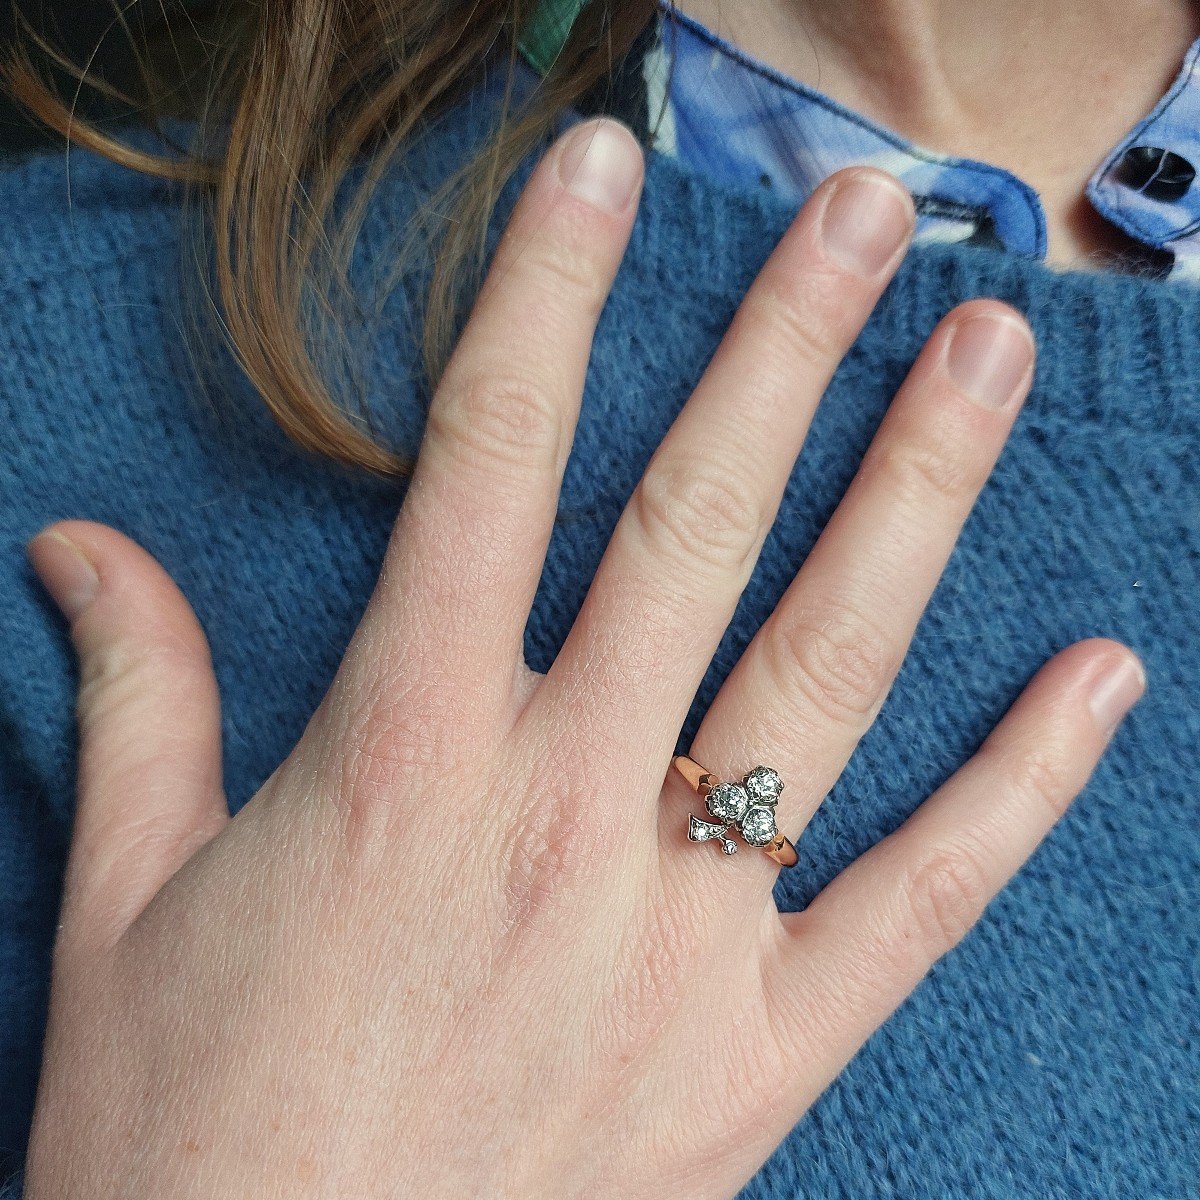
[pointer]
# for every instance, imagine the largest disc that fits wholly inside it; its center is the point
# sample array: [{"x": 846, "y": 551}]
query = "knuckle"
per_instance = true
[
  {"x": 841, "y": 662},
  {"x": 388, "y": 749},
  {"x": 121, "y": 673},
  {"x": 946, "y": 897},
  {"x": 497, "y": 422},
  {"x": 549, "y": 846},
  {"x": 916, "y": 472},
  {"x": 389, "y": 742},
  {"x": 563, "y": 269},
  {"x": 803, "y": 316},
  {"x": 706, "y": 514},
  {"x": 1044, "y": 778}
]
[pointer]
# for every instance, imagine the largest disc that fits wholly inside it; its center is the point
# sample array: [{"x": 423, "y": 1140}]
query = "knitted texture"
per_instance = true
[{"x": 1055, "y": 1054}]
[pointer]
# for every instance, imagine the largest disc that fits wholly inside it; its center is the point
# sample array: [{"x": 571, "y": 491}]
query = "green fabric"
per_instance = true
[{"x": 543, "y": 41}]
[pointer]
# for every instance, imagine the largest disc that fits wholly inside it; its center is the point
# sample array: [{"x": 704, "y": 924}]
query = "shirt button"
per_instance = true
[{"x": 1156, "y": 173}]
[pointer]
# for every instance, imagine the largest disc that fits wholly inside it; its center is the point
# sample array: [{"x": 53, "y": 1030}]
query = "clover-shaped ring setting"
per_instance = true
[{"x": 747, "y": 807}]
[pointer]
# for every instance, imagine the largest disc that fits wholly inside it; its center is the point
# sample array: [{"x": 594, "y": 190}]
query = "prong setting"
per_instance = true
[{"x": 747, "y": 807}]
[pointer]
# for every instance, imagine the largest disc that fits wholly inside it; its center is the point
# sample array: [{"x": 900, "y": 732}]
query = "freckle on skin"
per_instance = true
[
  {"x": 191, "y": 1146},
  {"x": 306, "y": 1168}
]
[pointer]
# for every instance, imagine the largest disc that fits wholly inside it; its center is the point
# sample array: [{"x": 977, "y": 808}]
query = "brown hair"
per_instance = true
[{"x": 298, "y": 92}]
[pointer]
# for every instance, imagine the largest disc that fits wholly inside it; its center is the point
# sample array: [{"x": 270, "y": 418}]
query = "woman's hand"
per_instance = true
[{"x": 459, "y": 944}]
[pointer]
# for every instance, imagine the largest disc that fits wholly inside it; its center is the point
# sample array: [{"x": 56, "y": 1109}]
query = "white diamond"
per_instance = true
[
  {"x": 728, "y": 802},
  {"x": 758, "y": 826},
  {"x": 763, "y": 785},
  {"x": 702, "y": 831}
]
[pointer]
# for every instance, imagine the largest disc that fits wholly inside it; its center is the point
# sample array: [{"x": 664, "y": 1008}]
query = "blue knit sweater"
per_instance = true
[{"x": 1056, "y": 1053}]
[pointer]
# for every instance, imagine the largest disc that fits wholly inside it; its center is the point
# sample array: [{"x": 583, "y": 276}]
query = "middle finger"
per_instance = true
[{"x": 687, "y": 541}]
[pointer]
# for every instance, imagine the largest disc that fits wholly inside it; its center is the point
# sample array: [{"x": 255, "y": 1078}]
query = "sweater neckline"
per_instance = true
[{"x": 1114, "y": 348}]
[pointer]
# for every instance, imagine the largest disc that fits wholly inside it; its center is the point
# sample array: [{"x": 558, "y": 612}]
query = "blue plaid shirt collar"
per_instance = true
[{"x": 722, "y": 112}]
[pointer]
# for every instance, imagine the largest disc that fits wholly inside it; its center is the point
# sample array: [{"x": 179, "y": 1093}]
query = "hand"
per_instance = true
[{"x": 459, "y": 945}]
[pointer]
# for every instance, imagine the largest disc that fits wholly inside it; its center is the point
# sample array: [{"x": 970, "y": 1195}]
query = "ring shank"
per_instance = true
[
  {"x": 782, "y": 851},
  {"x": 698, "y": 779}
]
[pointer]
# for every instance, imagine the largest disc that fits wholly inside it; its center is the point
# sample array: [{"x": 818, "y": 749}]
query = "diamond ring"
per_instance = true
[{"x": 748, "y": 807}]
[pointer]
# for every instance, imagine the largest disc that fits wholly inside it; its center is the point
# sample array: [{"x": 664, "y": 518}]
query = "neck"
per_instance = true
[
  {"x": 1044, "y": 90},
  {"x": 935, "y": 66}
]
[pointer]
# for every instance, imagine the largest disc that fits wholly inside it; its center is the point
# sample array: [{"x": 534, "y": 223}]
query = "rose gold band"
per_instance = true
[
  {"x": 702, "y": 781},
  {"x": 698, "y": 779},
  {"x": 782, "y": 851}
]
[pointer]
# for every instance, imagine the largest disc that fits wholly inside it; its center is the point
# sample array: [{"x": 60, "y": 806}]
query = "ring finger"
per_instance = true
[{"x": 815, "y": 676}]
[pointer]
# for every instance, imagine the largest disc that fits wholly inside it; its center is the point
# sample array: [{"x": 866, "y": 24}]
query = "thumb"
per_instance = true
[{"x": 150, "y": 791}]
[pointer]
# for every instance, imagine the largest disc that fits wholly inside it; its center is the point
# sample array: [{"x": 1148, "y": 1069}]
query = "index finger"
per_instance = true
[{"x": 467, "y": 549}]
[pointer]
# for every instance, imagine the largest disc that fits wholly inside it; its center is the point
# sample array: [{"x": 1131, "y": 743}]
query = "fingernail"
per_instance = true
[
  {"x": 1115, "y": 692},
  {"x": 988, "y": 358},
  {"x": 65, "y": 572},
  {"x": 601, "y": 163},
  {"x": 866, "y": 220}
]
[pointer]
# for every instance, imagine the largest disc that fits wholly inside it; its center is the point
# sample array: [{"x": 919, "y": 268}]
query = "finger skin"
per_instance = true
[
  {"x": 150, "y": 790},
  {"x": 844, "y": 964},
  {"x": 815, "y": 676},
  {"x": 690, "y": 535},
  {"x": 465, "y": 556}
]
